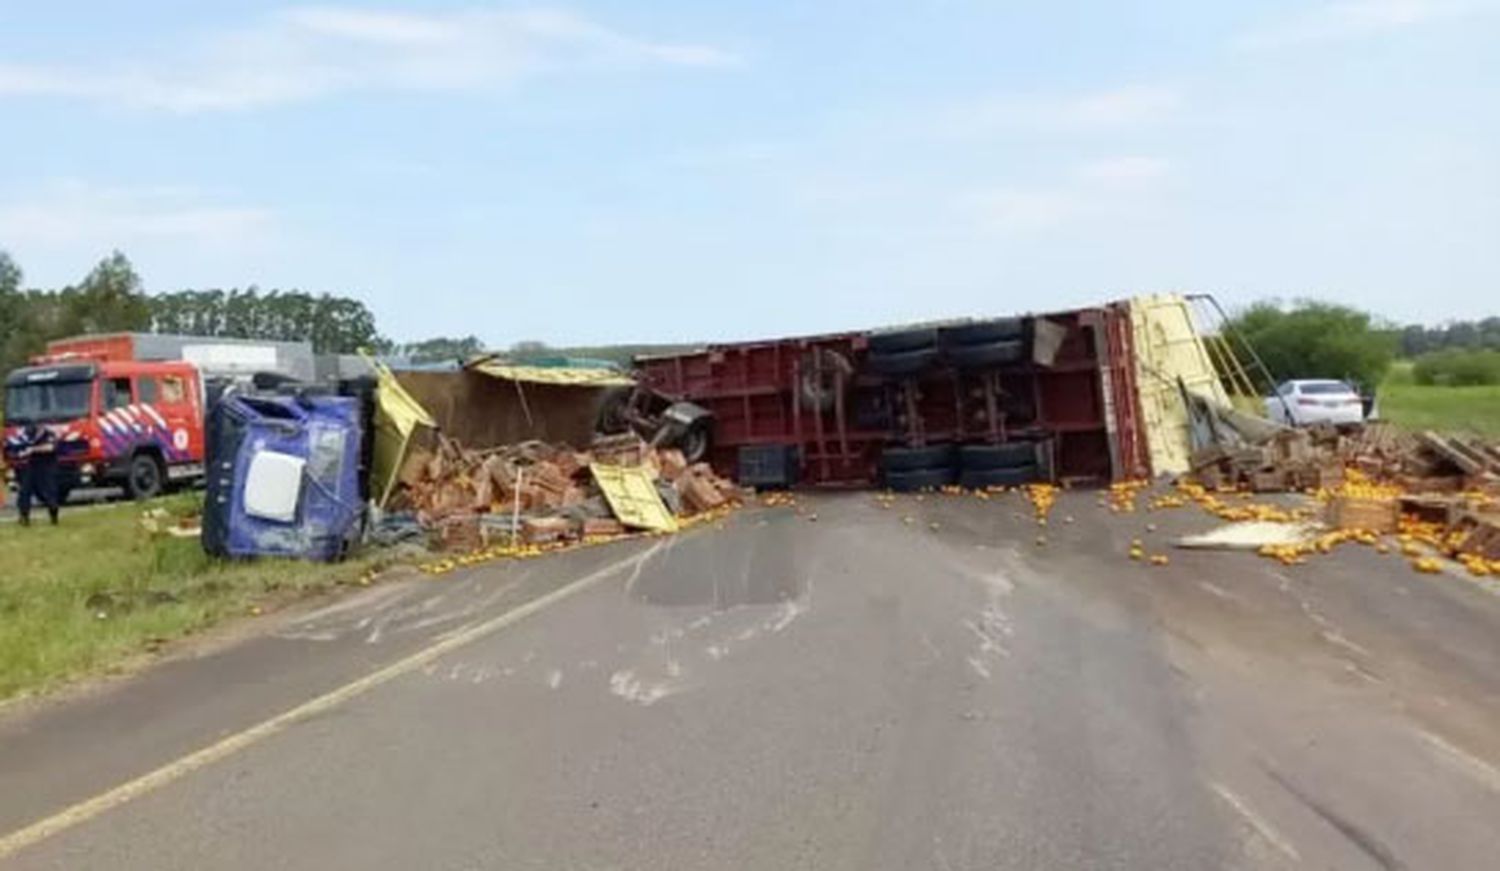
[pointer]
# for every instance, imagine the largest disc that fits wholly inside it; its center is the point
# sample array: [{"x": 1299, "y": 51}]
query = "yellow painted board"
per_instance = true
[
  {"x": 1168, "y": 347},
  {"x": 561, "y": 375},
  {"x": 631, "y": 493},
  {"x": 397, "y": 416}
]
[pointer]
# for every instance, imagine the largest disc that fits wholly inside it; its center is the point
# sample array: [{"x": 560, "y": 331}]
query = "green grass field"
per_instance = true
[
  {"x": 1458, "y": 409},
  {"x": 87, "y": 595}
]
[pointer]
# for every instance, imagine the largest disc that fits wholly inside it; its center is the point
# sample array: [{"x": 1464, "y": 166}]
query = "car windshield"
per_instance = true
[
  {"x": 1324, "y": 388},
  {"x": 54, "y": 400}
]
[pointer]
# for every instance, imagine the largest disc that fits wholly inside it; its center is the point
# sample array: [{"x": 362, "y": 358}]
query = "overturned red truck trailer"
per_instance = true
[{"x": 1049, "y": 397}]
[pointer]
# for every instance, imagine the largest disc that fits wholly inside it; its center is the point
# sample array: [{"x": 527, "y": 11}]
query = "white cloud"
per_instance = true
[
  {"x": 75, "y": 215},
  {"x": 309, "y": 53},
  {"x": 1127, "y": 106},
  {"x": 1112, "y": 188},
  {"x": 1350, "y": 19}
]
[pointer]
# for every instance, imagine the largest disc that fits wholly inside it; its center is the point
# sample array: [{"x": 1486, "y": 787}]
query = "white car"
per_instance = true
[{"x": 1304, "y": 402}]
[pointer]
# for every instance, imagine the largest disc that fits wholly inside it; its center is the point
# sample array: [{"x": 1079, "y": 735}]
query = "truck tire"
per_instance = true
[
  {"x": 984, "y": 332},
  {"x": 901, "y": 341},
  {"x": 912, "y": 480},
  {"x": 911, "y": 459},
  {"x": 1010, "y": 455},
  {"x": 145, "y": 478},
  {"x": 901, "y": 363},
  {"x": 979, "y": 479},
  {"x": 988, "y": 356},
  {"x": 695, "y": 443},
  {"x": 611, "y": 418}
]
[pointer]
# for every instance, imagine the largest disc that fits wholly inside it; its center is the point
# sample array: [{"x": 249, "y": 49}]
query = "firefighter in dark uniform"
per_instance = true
[{"x": 37, "y": 474}]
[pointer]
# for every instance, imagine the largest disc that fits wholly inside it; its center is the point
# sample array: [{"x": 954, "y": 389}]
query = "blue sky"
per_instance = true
[{"x": 611, "y": 171}]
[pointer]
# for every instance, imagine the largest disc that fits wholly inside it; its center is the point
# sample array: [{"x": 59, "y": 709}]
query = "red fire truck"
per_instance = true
[{"x": 128, "y": 423}]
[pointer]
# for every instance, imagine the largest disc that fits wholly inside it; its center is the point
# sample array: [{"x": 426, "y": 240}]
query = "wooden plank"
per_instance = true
[{"x": 1451, "y": 451}]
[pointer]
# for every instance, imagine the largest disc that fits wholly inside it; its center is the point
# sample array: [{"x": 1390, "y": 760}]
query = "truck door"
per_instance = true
[
  {"x": 174, "y": 406},
  {"x": 116, "y": 428}
]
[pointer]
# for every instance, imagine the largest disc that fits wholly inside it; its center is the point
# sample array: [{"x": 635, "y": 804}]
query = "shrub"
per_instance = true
[
  {"x": 1455, "y": 367},
  {"x": 1318, "y": 340}
]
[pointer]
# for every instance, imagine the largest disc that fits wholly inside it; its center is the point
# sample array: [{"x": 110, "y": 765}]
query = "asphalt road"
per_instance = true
[{"x": 857, "y": 691}]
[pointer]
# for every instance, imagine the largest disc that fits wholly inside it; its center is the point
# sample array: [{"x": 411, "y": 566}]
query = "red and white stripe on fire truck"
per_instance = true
[
  {"x": 125, "y": 428},
  {"x": 62, "y": 433}
]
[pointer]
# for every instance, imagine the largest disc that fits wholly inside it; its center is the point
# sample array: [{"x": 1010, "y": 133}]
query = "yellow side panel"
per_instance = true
[
  {"x": 1168, "y": 347},
  {"x": 565, "y": 376},
  {"x": 397, "y": 416},
  {"x": 632, "y": 495}
]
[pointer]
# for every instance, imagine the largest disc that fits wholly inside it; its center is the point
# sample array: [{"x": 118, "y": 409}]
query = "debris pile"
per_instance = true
[
  {"x": 538, "y": 494},
  {"x": 1316, "y": 458},
  {"x": 1427, "y": 461},
  {"x": 1422, "y": 528},
  {"x": 1289, "y": 459}
]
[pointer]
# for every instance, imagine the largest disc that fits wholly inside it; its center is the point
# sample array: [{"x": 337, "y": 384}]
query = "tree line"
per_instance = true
[
  {"x": 111, "y": 299},
  {"x": 1484, "y": 334},
  {"x": 1322, "y": 340}
]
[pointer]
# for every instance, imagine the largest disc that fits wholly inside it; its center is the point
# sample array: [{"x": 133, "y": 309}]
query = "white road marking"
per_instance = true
[
  {"x": 126, "y": 792},
  {"x": 1261, "y": 827},
  {"x": 1472, "y": 765},
  {"x": 1219, "y": 591},
  {"x": 1333, "y": 637}
]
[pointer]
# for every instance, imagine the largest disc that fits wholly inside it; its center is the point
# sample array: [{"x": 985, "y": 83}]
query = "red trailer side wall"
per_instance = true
[{"x": 768, "y": 393}]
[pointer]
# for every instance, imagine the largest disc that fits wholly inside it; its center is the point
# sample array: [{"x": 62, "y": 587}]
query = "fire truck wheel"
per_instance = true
[
  {"x": 145, "y": 478},
  {"x": 919, "y": 479},
  {"x": 895, "y": 459},
  {"x": 1007, "y": 456},
  {"x": 988, "y": 356}
]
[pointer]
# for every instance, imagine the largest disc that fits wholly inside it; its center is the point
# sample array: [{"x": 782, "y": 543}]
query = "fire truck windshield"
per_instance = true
[{"x": 47, "y": 401}]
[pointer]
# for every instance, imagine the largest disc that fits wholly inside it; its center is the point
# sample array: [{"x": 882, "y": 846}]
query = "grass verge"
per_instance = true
[
  {"x": 87, "y": 595},
  {"x": 1457, "y": 409}
]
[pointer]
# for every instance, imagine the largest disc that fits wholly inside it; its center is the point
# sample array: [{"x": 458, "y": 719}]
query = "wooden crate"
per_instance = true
[{"x": 1375, "y": 515}]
